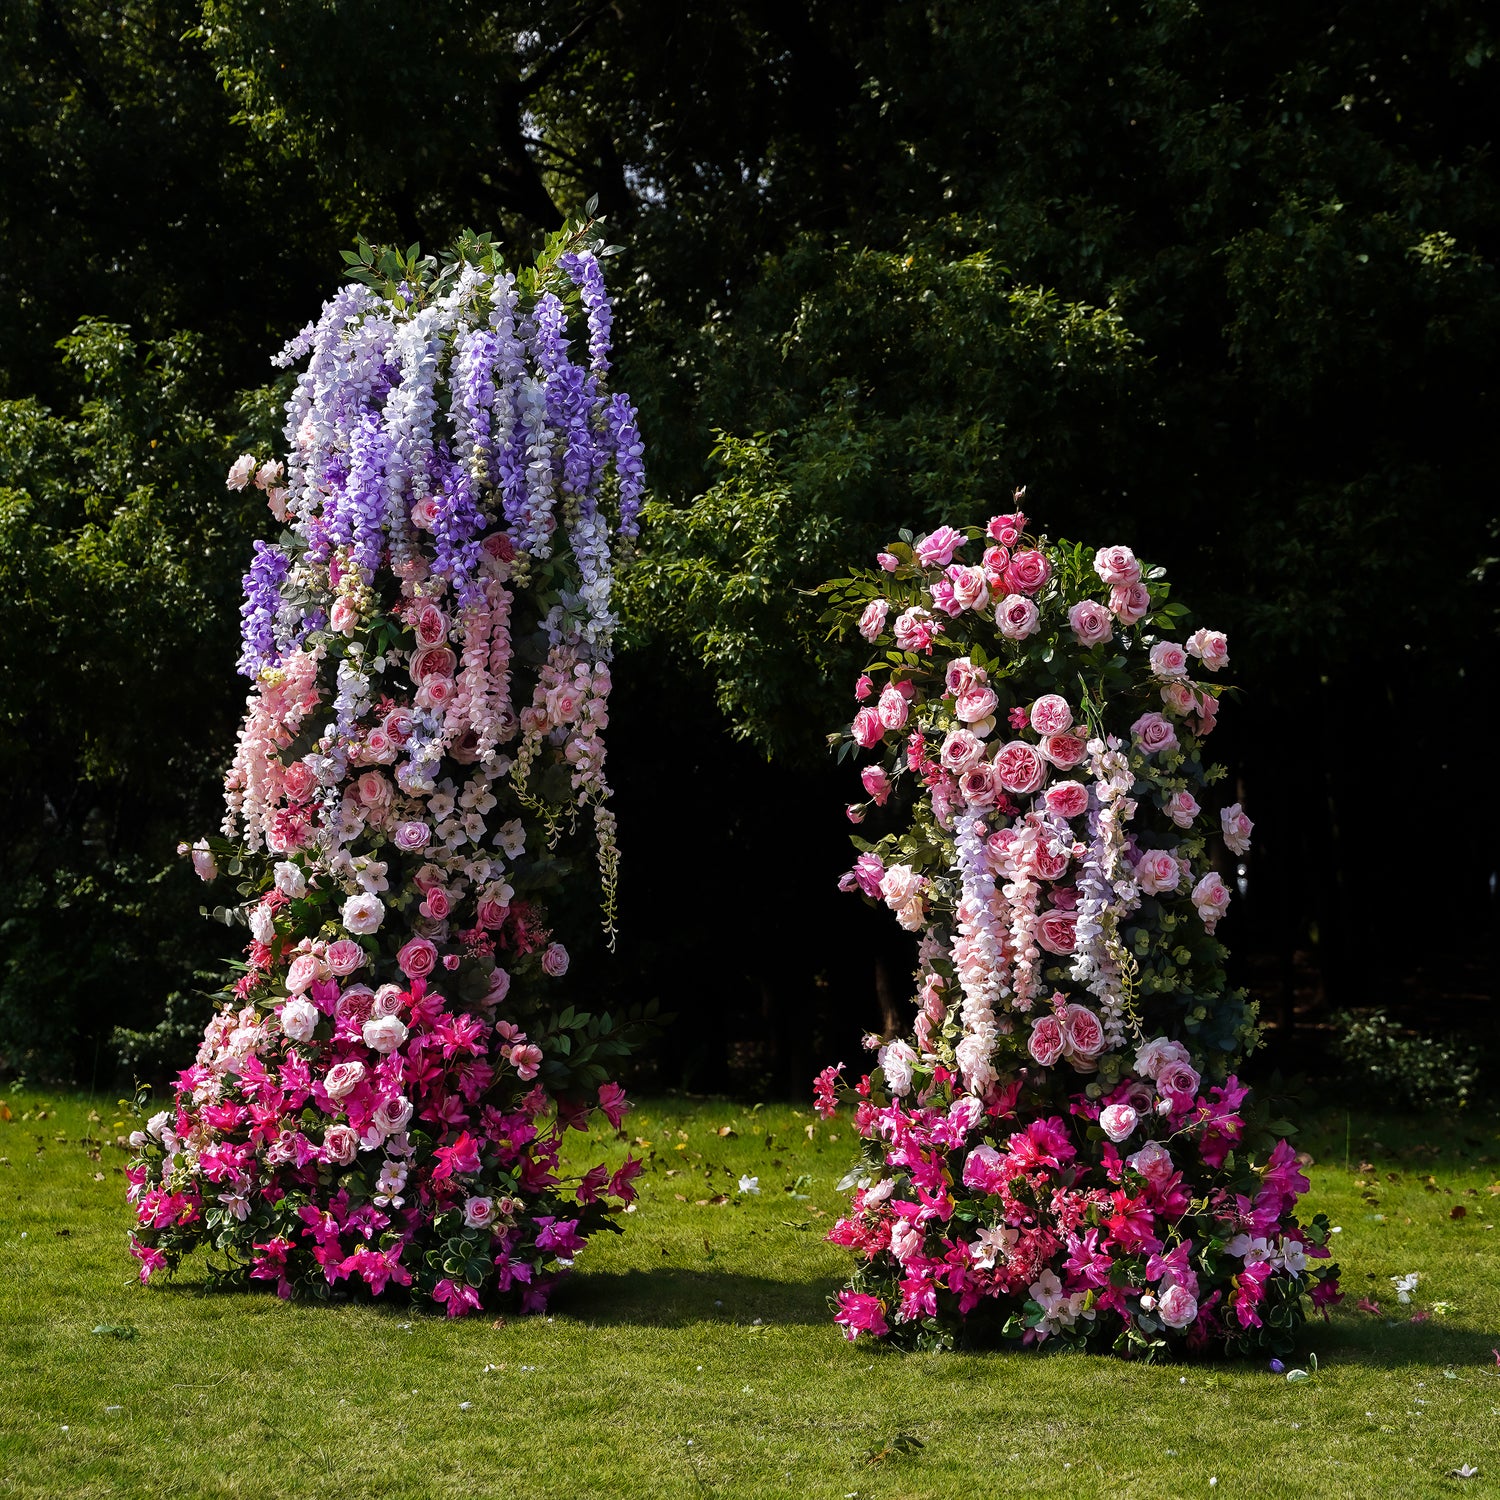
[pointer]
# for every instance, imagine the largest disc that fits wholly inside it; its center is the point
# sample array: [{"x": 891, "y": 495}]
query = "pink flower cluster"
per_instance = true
[
  {"x": 380, "y": 1100},
  {"x": 1042, "y": 742}
]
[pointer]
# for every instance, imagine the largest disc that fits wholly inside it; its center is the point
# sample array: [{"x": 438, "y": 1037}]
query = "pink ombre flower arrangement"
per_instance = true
[
  {"x": 1060, "y": 1150},
  {"x": 380, "y": 1100}
]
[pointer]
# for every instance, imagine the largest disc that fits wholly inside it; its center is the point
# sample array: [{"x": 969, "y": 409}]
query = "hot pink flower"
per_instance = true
[
  {"x": 861, "y": 1313},
  {"x": 416, "y": 958},
  {"x": 1027, "y": 572},
  {"x": 613, "y": 1103},
  {"x": 457, "y": 1296},
  {"x": 867, "y": 728}
]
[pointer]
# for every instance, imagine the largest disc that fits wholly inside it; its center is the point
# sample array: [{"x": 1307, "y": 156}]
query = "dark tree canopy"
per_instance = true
[{"x": 1218, "y": 281}]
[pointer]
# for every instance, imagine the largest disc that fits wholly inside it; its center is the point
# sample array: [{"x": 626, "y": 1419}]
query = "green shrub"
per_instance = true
[{"x": 1419, "y": 1072}]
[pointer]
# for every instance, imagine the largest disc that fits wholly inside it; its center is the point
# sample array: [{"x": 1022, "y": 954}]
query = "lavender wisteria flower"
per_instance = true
[{"x": 380, "y": 1099}]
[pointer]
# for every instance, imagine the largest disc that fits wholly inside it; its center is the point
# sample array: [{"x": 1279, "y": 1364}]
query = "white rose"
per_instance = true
[
  {"x": 299, "y": 1019},
  {"x": 262, "y": 925},
  {"x": 478, "y": 1212},
  {"x": 290, "y": 880},
  {"x": 896, "y": 1061},
  {"x": 363, "y": 914},
  {"x": 339, "y": 1144},
  {"x": 393, "y": 1115},
  {"x": 384, "y": 1033}
]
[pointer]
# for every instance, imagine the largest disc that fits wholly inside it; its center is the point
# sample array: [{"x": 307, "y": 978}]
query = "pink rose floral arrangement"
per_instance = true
[
  {"x": 380, "y": 1100},
  {"x": 1060, "y": 1150}
]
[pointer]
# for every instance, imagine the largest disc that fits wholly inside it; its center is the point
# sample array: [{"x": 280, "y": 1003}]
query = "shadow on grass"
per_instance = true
[
  {"x": 675, "y": 1297},
  {"x": 1380, "y": 1344}
]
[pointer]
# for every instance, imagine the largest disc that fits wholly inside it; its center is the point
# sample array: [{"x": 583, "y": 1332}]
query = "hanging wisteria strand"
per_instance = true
[
  {"x": 380, "y": 1099},
  {"x": 1060, "y": 1150}
]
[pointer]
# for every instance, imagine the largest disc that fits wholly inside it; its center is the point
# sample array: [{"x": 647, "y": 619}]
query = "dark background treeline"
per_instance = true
[{"x": 1217, "y": 281}]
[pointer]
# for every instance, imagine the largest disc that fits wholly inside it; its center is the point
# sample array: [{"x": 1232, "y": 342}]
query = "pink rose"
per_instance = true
[
  {"x": 1019, "y": 768},
  {"x": 961, "y": 674},
  {"x": 436, "y": 903},
  {"x": 478, "y": 1212},
  {"x": 387, "y": 1000},
  {"x": 298, "y": 781},
  {"x": 417, "y": 958},
  {"x": 345, "y": 956},
  {"x": 393, "y": 1115},
  {"x": 1083, "y": 1032},
  {"x": 343, "y": 617},
  {"x": 1182, "y": 808},
  {"x": 1177, "y": 1307},
  {"x": 876, "y": 783},
  {"x": 374, "y": 790},
  {"x": 1050, "y": 714},
  {"x": 1157, "y": 1054},
  {"x": 1237, "y": 828},
  {"x": 866, "y": 728},
  {"x": 1068, "y": 799},
  {"x": 436, "y": 692},
  {"x": 1178, "y": 698},
  {"x": 1211, "y": 647},
  {"x": 1050, "y": 859},
  {"x": 304, "y": 972},
  {"x": 1168, "y": 659},
  {"x": 355, "y": 1004},
  {"x": 1117, "y": 1121},
  {"x": 240, "y": 471},
  {"x": 1208, "y": 714},
  {"x": 936, "y": 550},
  {"x": 1090, "y": 623},
  {"x": 1130, "y": 603},
  {"x": 1154, "y": 734},
  {"x": 424, "y": 513},
  {"x": 299, "y": 1019},
  {"x": 975, "y": 705},
  {"x": 872, "y": 621},
  {"x": 1046, "y": 1042},
  {"x": 340, "y": 1144},
  {"x": 971, "y": 589},
  {"x": 1157, "y": 871},
  {"x": 1178, "y": 1080},
  {"x": 343, "y": 1078},
  {"x": 977, "y": 785},
  {"x": 892, "y": 709},
  {"x": 1064, "y": 750},
  {"x": 995, "y": 561},
  {"x": 1057, "y": 931},
  {"x": 1117, "y": 565},
  {"x": 1153, "y": 1161},
  {"x": 430, "y": 626},
  {"x": 961, "y": 749},
  {"x": 1006, "y": 529},
  {"x": 914, "y": 629},
  {"x": 398, "y": 724},
  {"x": 491, "y": 915},
  {"x": 499, "y": 987},
  {"x": 555, "y": 961},
  {"x": 432, "y": 661},
  {"x": 1211, "y": 897},
  {"x": 1027, "y": 572},
  {"x": 384, "y": 1034},
  {"x": 412, "y": 835},
  {"x": 865, "y": 876},
  {"x": 1017, "y": 617},
  {"x": 888, "y": 560},
  {"x": 863, "y": 687}
]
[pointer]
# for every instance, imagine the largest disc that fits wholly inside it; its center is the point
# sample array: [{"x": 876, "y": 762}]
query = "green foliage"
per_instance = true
[
  {"x": 909, "y": 387},
  {"x": 118, "y": 595},
  {"x": 1412, "y": 1071}
]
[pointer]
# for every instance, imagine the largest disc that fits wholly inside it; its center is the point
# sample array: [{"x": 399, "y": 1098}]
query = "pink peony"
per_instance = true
[
  {"x": 1082, "y": 1032},
  {"x": 1017, "y": 617},
  {"x": 1057, "y": 931},
  {"x": 1050, "y": 714},
  {"x": 1064, "y": 750},
  {"x": 1068, "y": 799},
  {"x": 1090, "y": 623},
  {"x": 1046, "y": 1042},
  {"x": 344, "y": 956},
  {"x": 1019, "y": 768},
  {"x": 1117, "y": 565},
  {"x": 936, "y": 550}
]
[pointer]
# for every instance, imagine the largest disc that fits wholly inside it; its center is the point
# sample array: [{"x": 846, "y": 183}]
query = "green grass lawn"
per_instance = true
[{"x": 695, "y": 1355}]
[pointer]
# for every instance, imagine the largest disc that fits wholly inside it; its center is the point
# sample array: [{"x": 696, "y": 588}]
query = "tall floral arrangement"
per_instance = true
[
  {"x": 1060, "y": 1150},
  {"x": 380, "y": 1099}
]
